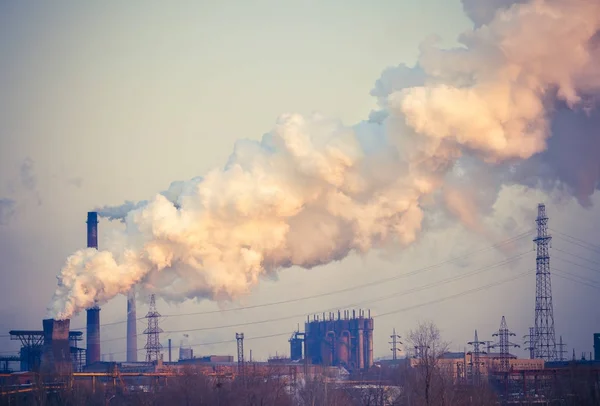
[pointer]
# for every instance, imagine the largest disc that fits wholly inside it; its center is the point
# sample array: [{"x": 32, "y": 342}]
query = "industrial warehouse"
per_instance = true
[{"x": 335, "y": 347}]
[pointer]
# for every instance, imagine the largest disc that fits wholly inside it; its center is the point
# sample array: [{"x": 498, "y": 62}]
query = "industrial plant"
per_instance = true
[{"x": 336, "y": 347}]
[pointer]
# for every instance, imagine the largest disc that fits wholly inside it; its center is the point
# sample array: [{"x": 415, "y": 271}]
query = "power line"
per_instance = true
[
  {"x": 584, "y": 281},
  {"x": 348, "y": 289},
  {"x": 576, "y": 264},
  {"x": 497, "y": 283},
  {"x": 576, "y": 256},
  {"x": 375, "y": 300},
  {"x": 577, "y": 241},
  {"x": 458, "y": 294}
]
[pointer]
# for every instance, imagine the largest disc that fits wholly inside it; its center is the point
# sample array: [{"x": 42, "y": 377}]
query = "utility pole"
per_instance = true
[
  {"x": 504, "y": 344},
  {"x": 395, "y": 341},
  {"x": 545, "y": 341},
  {"x": 153, "y": 331}
]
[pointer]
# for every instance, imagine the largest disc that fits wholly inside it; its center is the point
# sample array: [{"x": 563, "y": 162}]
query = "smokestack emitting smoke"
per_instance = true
[
  {"x": 56, "y": 354},
  {"x": 92, "y": 229},
  {"x": 313, "y": 190},
  {"x": 93, "y": 313}
]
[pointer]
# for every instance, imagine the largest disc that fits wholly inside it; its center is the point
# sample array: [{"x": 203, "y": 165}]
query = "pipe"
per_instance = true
[{"x": 169, "y": 350}]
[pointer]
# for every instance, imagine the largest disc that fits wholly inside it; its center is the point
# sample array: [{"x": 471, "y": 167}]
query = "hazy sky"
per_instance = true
[{"x": 105, "y": 101}]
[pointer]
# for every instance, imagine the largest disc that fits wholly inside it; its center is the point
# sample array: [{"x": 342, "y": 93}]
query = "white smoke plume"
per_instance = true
[{"x": 313, "y": 190}]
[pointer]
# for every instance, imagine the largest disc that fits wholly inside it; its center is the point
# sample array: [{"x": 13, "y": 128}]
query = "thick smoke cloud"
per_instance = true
[
  {"x": 450, "y": 131},
  {"x": 483, "y": 11}
]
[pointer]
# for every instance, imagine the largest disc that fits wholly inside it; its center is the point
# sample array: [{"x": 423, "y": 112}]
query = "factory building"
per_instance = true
[{"x": 345, "y": 340}]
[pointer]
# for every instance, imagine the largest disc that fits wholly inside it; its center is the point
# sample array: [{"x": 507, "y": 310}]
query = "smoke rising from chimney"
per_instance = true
[{"x": 313, "y": 190}]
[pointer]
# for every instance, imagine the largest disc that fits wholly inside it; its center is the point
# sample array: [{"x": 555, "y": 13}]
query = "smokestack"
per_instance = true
[
  {"x": 131, "y": 328},
  {"x": 93, "y": 314},
  {"x": 56, "y": 353},
  {"x": 92, "y": 229},
  {"x": 93, "y": 335},
  {"x": 169, "y": 350}
]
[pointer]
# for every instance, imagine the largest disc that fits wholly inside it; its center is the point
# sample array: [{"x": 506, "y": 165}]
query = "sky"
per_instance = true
[{"x": 104, "y": 102}]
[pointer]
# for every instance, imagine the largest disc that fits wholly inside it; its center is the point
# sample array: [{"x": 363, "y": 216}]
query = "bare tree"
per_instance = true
[{"x": 429, "y": 382}]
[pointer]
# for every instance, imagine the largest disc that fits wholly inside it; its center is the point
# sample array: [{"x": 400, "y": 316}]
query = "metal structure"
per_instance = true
[
  {"x": 31, "y": 348},
  {"x": 32, "y": 345},
  {"x": 476, "y": 363},
  {"x": 597, "y": 346},
  {"x": 240, "y": 352},
  {"x": 545, "y": 341},
  {"x": 504, "y": 345},
  {"x": 421, "y": 351},
  {"x": 561, "y": 350},
  {"x": 153, "y": 346},
  {"x": 131, "y": 328},
  {"x": 296, "y": 344},
  {"x": 93, "y": 313},
  {"x": 395, "y": 341},
  {"x": 5, "y": 363},
  {"x": 530, "y": 342},
  {"x": 489, "y": 346},
  {"x": 346, "y": 340}
]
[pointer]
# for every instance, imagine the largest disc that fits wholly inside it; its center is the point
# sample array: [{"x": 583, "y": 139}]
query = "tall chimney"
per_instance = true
[
  {"x": 93, "y": 314},
  {"x": 131, "y": 328},
  {"x": 92, "y": 229},
  {"x": 93, "y": 335},
  {"x": 56, "y": 353}
]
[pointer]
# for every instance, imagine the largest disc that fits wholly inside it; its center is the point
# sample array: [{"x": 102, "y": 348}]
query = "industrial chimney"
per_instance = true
[
  {"x": 92, "y": 229},
  {"x": 93, "y": 314},
  {"x": 131, "y": 328},
  {"x": 56, "y": 353}
]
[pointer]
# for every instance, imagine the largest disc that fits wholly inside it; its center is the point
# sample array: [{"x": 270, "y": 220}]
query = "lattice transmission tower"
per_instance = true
[
  {"x": 561, "y": 352},
  {"x": 504, "y": 345},
  {"x": 395, "y": 341},
  {"x": 530, "y": 342},
  {"x": 545, "y": 341},
  {"x": 153, "y": 331},
  {"x": 476, "y": 359}
]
